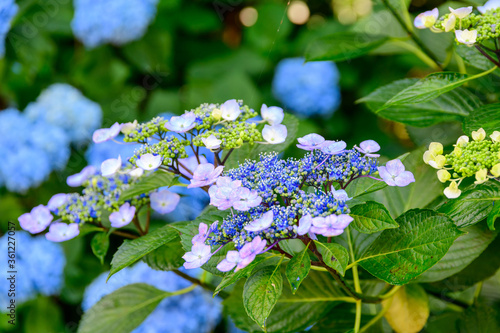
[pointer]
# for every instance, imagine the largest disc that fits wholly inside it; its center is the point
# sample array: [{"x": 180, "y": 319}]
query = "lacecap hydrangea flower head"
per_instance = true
[
  {"x": 39, "y": 264},
  {"x": 163, "y": 146},
  {"x": 272, "y": 199},
  {"x": 469, "y": 28},
  {"x": 307, "y": 89},
  {"x": 476, "y": 156},
  {"x": 193, "y": 312},
  {"x": 8, "y": 9},
  {"x": 114, "y": 22}
]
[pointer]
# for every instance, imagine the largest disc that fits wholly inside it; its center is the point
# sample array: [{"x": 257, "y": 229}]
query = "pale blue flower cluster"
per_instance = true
[
  {"x": 65, "y": 107},
  {"x": 112, "y": 21},
  {"x": 37, "y": 141},
  {"x": 21, "y": 143},
  {"x": 8, "y": 9},
  {"x": 39, "y": 264},
  {"x": 308, "y": 89},
  {"x": 194, "y": 312}
]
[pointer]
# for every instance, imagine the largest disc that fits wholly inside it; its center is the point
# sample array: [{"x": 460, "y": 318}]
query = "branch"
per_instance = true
[
  {"x": 222, "y": 294},
  {"x": 484, "y": 53}
]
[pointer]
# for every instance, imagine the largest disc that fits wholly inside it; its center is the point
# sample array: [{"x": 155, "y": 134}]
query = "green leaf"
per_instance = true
[
  {"x": 261, "y": 293},
  {"x": 149, "y": 183},
  {"x": 100, "y": 245},
  {"x": 430, "y": 87},
  {"x": 482, "y": 268},
  {"x": 167, "y": 257},
  {"x": 133, "y": 250},
  {"x": 494, "y": 214},
  {"x": 43, "y": 315},
  {"x": 122, "y": 310},
  {"x": 399, "y": 255},
  {"x": 453, "y": 105},
  {"x": 342, "y": 46},
  {"x": 234, "y": 277},
  {"x": 473, "y": 57},
  {"x": 408, "y": 310},
  {"x": 479, "y": 318},
  {"x": 371, "y": 217},
  {"x": 486, "y": 117},
  {"x": 341, "y": 318},
  {"x": 334, "y": 255},
  {"x": 293, "y": 312},
  {"x": 474, "y": 204},
  {"x": 464, "y": 250},
  {"x": 297, "y": 269},
  {"x": 253, "y": 151}
]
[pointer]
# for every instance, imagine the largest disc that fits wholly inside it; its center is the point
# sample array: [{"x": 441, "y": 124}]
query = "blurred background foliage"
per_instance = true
[{"x": 194, "y": 52}]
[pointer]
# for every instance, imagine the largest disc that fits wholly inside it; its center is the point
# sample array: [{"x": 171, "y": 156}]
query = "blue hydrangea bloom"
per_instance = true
[
  {"x": 15, "y": 128},
  {"x": 64, "y": 106},
  {"x": 24, "y": 167},
  {"x": 39, "y": 265},
  {"x": 112, "y": 21},
  {"x": 193, "y": 312},
  {"x": 308, "y": 89},
  {"x": 8, "y": 9},
  {"x": 99, "y": 152},
  {"x": 54, "y": 141}
]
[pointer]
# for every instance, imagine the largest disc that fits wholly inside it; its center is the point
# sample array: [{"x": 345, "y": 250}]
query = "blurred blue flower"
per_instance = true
[
  {"x": 308, "y": 89},
  {"x": 8, "y": 10},
  {"x": 39, "y": 264},
  {"x": 23, "y": 167},
  {"x": 53, "y": 141},
  {"x": 64, "y": 106},
  {"x": 15, "y": 128},
  {"x": 111, "y": 21},
  {"x": 193, "y": 312},
  {"x": 192, "y": 202},
  {"x": 99, "y": 152}
]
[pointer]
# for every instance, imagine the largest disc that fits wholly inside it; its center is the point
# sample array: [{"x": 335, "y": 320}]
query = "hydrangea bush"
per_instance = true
[{"x": 338, "y": 234}]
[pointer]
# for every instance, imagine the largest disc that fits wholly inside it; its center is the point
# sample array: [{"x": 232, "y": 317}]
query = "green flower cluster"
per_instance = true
[
  {"x": 169, "y": 148},
  {"x": 479, "y": 158}
]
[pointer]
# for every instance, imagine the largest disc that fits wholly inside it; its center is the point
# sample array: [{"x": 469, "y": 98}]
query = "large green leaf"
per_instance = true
[
  {"x": 253, "y": 151},
  {"x": 464, "y": 250},
  {"x": 297, "y": 269},
  {"x": 479, "y": 318},
  {"x": 167, "y": 257},
  {"x": 486, "y": 117},
  {"x": 123, "y": 310},
  {"x": 334, "y": 255},
  {"x": 133, "y": 250},
  {"x": 399, "y": 255},
  {"x": 430, "y": 87},
  {"x": 43, "y": 315},
  {"x": 261, "y": 293},
  {"x": 342, "y": 46},
  {"x": 474, "y": 204},
  {"x": 292, "y": 313},
  {"x": 482, "y": 268},
  {"x": 371, "y": 217},
  {"x": 452, "y": 105},
  {"x": 149, "y": 183}
]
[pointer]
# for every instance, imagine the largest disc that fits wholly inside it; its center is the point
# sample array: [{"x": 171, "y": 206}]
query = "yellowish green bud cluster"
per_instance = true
[
  {"x": 479, "y": 158},
  {"x": 169, "y": 149}
]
